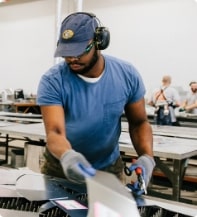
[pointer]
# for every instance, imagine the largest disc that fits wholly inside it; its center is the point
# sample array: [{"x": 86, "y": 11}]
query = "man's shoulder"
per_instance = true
[
  {"x": 120, "y": 65},
  {"x": 115, "y": 60},
  {"x": 171, "y": 89}
]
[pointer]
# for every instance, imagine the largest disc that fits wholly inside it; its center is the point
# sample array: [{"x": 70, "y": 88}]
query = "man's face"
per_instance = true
[
  {"x": 83, "y": 63},
  {"x": 194, "y": 88}
]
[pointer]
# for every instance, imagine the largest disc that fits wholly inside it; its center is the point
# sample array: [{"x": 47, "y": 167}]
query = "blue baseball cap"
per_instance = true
[{"x": 76, "y": 31}]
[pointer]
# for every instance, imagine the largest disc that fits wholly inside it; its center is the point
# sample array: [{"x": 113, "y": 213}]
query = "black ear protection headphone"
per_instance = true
[{"x": 101, "y": 33}]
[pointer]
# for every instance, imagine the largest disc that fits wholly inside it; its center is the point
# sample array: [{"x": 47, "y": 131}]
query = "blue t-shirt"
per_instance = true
[{"x": 93, "y": 110}]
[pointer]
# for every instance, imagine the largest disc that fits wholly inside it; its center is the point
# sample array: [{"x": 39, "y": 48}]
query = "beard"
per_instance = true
[
  {"x": 194, "y": 90},
  {"x": 88, "y": 67}
]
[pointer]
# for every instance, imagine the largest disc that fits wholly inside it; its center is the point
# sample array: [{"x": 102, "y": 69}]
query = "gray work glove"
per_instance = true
[
  {"x": 75, "y": 166},
  {"x": 147, "y": 164}
]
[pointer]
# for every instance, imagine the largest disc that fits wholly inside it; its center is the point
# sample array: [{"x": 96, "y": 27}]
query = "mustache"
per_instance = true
[{"x": 74, "y": 62}]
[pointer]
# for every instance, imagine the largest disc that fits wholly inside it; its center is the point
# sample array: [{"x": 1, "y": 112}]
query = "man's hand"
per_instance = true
[
  {"x": 76, "y": 168},
  {"x": 146, "y": 164}
]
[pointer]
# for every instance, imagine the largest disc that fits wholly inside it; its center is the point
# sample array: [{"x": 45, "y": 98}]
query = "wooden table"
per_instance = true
[
  {"x": 26, "y": 106},
  {"x": 177, "y": 149},
  {"x": 23, "y": 106}
]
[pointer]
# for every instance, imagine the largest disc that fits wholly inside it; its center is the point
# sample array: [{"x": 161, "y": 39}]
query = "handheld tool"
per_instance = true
[
  {"x": 140, "y": 178},
  {"x": 138, "y": 171}
]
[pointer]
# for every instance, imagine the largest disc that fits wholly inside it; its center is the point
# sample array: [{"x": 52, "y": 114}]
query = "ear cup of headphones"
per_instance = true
[{"x": 101, "y": 38}]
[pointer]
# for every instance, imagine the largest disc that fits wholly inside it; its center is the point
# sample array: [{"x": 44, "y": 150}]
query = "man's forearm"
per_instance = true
[
  {"x": 57, "y": 144},
  {"x": 142, "y": 139}
]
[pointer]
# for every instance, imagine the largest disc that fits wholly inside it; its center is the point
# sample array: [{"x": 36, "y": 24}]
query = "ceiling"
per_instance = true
[{"x": 12, "y": 2}]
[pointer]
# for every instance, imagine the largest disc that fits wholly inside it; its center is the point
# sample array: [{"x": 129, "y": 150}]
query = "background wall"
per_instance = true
[{"x": 157, "y": 36}]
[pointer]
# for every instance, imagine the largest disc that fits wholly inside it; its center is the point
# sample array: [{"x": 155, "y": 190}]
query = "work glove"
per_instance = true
[
  {"x": 75, "y": 166},
  {"x": 181, "y": 110},
  {"x": 146, "y": 164}
]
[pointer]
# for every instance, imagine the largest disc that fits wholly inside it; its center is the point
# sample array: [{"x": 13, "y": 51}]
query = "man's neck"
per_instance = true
[{"x": 97, "y": 69}]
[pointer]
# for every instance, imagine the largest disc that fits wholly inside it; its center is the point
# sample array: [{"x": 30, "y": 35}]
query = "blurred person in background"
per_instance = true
[
  {"x": 190, "y": 103},
  {"x": 165, "y": 99}
]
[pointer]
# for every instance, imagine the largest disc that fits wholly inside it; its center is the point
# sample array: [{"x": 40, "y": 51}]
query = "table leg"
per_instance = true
[
  {"x": 175, "y": 175},
  {"x": 5, "y": 145},
  {"x": 179, "y": 173},
  {"x": 6, "y": 149},
  {"x": 26, "y": 110}
]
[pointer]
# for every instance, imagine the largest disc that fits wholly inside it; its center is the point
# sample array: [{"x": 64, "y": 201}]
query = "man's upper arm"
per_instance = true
[{"x": 136, "y": 112}]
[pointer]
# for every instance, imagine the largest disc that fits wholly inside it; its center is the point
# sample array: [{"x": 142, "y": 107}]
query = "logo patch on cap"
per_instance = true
[{"x": 67, "y": 34}]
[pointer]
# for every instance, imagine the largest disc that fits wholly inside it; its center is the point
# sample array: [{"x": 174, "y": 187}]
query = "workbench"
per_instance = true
[
  {"x": 185, "y": 119},
  {"x": 34, "y": 131},
  {"x": 169, "y": 131},
  {"x": 178, "y": 149},
  {"x": 173, "y": 131},
  {"x": 19, "y": 117},
  {"x": 26, "y": 193},
  {"x": 11, "y": 119},
  {"x": 24, "y": 106}
]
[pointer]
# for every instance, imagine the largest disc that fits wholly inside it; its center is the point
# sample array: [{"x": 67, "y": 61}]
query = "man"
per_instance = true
[
  {"x": 82, "y": 100},
  {"x": 165, "y": 100},
  {"x": 190, "y": 104}
]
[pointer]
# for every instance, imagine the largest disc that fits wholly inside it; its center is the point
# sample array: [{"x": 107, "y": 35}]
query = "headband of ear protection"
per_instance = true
[{"x": 101, "y": 33}]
